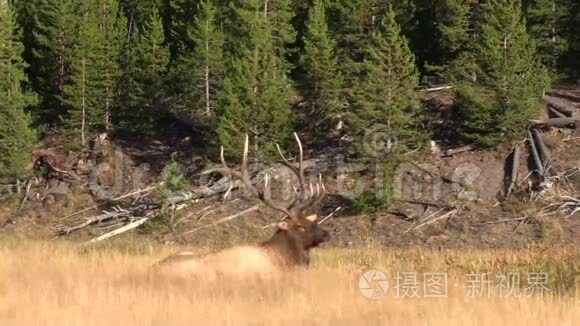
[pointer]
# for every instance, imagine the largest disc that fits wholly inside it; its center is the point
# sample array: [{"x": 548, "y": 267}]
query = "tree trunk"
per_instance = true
[
  {"x": 513, "y": 177},
  {"x": 83, "y": 102}
]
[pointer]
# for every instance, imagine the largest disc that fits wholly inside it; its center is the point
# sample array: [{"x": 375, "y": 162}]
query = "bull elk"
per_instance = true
[{"x": 290, "y": 245}]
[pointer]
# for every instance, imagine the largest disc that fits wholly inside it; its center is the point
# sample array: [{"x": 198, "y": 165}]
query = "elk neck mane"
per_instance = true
[{"x": 288, "y": 251}]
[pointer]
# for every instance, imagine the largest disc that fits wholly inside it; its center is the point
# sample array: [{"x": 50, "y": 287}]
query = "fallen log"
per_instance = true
[
  {"x": 561, "y": 105},
  {"x": 535, "y": 156},
  {"x": 543, "y": 150},
  {"x": 565, "y": 95},
  {"x": 556, "y": 122},
  {"x": 513, "y": 177},
  {"x": 556, "y": 112}
]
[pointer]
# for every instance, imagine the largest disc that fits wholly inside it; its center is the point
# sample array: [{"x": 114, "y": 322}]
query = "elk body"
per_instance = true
[{"x": 288, "y": 247}]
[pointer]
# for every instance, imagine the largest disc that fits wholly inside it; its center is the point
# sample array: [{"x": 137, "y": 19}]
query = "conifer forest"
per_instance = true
[{"x": 326, "y": 68}]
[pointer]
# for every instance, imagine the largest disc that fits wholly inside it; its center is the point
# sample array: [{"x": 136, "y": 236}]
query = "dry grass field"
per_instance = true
[{"x": 65, "y": 284}]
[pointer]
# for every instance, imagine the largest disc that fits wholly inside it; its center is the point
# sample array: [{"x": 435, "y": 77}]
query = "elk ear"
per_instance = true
[
  {"x": 283, "y": 225},
  {"x": 312, "y": 218}
]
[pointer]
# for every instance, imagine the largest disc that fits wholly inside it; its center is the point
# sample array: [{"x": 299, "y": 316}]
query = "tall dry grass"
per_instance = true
[{"x": 61, "y": 284}]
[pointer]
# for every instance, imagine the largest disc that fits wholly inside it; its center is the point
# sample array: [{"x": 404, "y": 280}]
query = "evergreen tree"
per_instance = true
[
  {"x": 386, "y": 98},
  {"x": 280, "y": 14},
  {"x": 256, "y": 89},
  {"x": 48, "y": 33},
  {"x": 570, "y": 63},
  {"x": 113, "y": 33},
  {"x": 510, "y": 79},
  {"x": 198, "y": 75},
  {"x": 457, "y": 24},
  {"x": 323, "y": 81},
  {"x": 349, "y": 21},
  {"x": 95, "y": 69},
  {"x": 138, "y": 13},
  {"x": 81, "y": 95},
  {"x": 352, "y": 21},
  {"x": 386, "y": 93},
  {"x": 178, "y": 17},
  {"x": 547, "y": 24},
  {"x": 16, "y": 136},
  {"x": 145, "y": 58}
]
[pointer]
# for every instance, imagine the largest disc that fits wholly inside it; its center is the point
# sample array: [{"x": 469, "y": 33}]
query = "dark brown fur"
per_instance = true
[{"x": 292, "y": 245}]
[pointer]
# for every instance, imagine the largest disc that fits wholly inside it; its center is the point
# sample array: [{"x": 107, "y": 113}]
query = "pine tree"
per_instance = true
[
  {"x": 178, "y": 16},
  {"x": 510, "y": 80},
  {"x": 48, "y": 32},
  {"x": 81, "y": 95},
  {"x": 16, "y": 136},
  {"x": 349, "y": 21},
  {"x": 145, "y": 59},
  {"x": 570, "y": 65},
  {"x": 385, "y": 100},
  {"x": 386, "y": 92},
  {"x": 280, "y": 14},
  {"x": 547, "y": 25},
  {"x": 323, "y": 81},
  {"x": 113, "y": 29},
  {"x": 95, "y": 69},
  {"x": 457, "y": 25},
  {"x": 138, "y": 13},
  {"x": 256, "y": 89},
  {"x": 198, "y": 75}
]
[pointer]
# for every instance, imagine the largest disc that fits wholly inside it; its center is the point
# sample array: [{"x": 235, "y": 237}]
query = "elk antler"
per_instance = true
[
  {"x": 244, "y": 177},
  {"x": 312, "y": 198},
  {"x": 313, "y": 195}
]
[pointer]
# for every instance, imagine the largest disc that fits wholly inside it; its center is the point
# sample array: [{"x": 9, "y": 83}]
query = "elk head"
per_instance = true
[{"x": 299, "y": 231}]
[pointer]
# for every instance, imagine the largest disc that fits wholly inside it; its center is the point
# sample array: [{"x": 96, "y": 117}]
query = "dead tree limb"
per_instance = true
[
  {"x": 451, "y": 152},
  {"x": 440, "y": 88},
  {"x": 448, "y": 214},
  {"x": 120, "y": 230},
  {"x": 513, "y": 177},
  {"x": 223, "y": 220},
  {"x": 128, "y": 195},
  {"x": 107, "y": 216},
  {"x": 427, "y": 203},
  {"x": 26, "y": 194},
  {"x": 330, "y": 215},
  {"x": 506, "y": 220}
]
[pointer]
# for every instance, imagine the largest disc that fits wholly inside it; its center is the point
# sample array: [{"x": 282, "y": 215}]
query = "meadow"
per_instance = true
[{"x": 59, "y": 283}]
